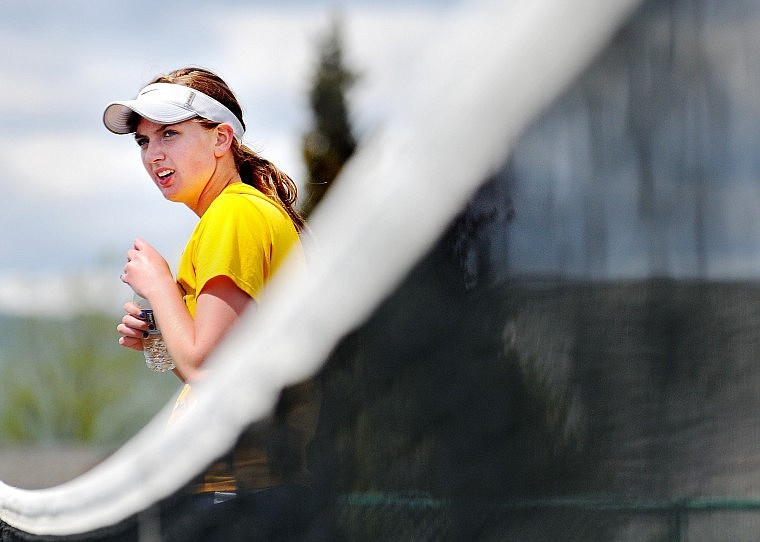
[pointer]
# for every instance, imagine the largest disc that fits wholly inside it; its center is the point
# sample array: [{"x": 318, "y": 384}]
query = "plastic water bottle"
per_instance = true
[{"x": 157, "y": 357}]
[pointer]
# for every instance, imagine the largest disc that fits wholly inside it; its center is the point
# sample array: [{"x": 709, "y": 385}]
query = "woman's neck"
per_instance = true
[{"x": 214, "y": 187}]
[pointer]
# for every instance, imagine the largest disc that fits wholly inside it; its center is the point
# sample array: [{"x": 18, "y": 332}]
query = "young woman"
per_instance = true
[{"x": 188, "y": 126}]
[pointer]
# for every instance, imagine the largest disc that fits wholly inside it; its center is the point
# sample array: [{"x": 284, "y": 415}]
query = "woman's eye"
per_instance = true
[
  {"x": 170, "y": 133},
  {"x": 141, "y": 141}
]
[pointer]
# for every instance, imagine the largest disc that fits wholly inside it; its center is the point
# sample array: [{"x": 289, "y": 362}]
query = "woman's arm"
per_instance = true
[{"x": 189, "y": 340}]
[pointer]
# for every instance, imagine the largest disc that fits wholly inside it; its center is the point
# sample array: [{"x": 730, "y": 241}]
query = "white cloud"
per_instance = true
[{"x": 66, "y": 165}]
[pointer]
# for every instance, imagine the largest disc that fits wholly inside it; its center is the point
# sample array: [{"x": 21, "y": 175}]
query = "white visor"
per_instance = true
[{"x": 168, "y": 103}]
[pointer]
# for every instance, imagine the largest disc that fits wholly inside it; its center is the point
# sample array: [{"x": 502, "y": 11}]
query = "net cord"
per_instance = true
[{"x": 495, "y": 68}]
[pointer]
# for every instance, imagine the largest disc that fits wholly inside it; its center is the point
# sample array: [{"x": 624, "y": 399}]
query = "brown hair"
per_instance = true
[{"x": 254, "y": 170}]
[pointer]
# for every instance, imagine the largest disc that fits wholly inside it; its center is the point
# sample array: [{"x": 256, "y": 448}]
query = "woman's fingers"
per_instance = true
[
  {"x": 130, "y": 342},
  {"x": 130, "y": 307},
  {"x": 132, "y": 326}
]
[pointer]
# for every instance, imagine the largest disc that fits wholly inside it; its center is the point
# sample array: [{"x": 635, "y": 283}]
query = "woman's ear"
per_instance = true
[{"x": 224, "y": 137}]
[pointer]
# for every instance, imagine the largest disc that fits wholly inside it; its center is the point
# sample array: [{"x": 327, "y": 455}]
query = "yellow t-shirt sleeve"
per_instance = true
[
  {"x": 235, "y": 242},
  {"x": 244, "y": 236}
]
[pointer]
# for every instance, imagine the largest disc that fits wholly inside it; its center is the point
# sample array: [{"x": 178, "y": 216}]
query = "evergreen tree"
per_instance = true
[{"x": 330, "y": 141}]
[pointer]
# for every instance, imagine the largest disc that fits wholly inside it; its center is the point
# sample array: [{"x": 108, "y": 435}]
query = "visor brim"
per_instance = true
[{"x": 117, "y": 115}]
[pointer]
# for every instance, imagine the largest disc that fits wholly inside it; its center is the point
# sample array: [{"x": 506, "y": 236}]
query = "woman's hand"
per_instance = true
[
  {"x": 133, "y": 328},
  {"x": 146, "y": 270}
]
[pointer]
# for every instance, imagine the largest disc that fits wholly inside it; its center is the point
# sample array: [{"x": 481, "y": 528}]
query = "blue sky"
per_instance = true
[{"x": 75, "y": 195}]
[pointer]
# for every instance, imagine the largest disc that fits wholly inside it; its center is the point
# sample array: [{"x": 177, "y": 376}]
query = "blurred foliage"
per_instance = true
[
  {"x": 330, "y": 142},
  {"x": 68, "y": 380}
]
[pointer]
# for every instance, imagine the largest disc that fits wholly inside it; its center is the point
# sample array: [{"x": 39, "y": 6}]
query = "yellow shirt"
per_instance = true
[{"x": 243, "y": 235}]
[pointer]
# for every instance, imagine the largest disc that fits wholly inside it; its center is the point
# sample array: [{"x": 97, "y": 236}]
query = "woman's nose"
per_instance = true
[{"x": 154, "y": 152}]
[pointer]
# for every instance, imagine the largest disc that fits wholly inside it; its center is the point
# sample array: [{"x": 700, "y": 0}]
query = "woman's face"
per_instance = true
[{"x": 178, "y": 157}]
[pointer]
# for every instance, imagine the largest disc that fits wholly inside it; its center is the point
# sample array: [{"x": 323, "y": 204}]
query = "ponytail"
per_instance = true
[{"x": 268, "y": 179}]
